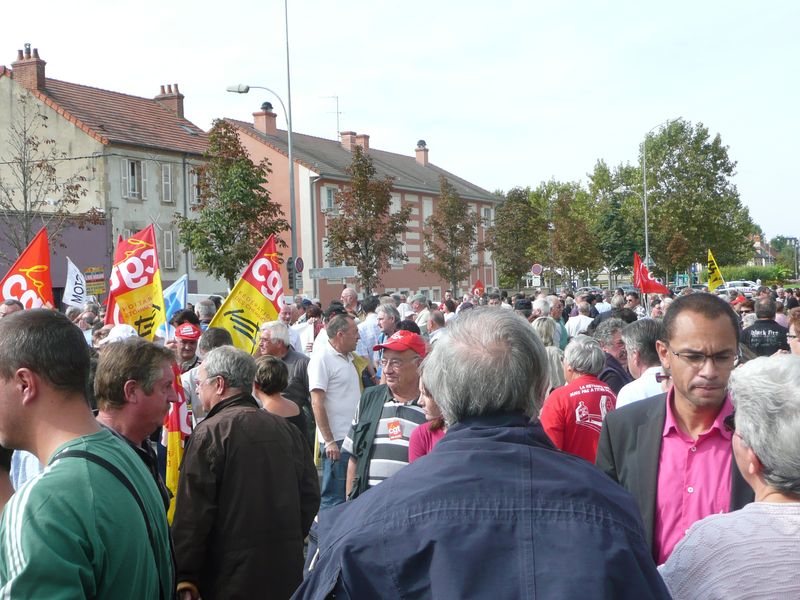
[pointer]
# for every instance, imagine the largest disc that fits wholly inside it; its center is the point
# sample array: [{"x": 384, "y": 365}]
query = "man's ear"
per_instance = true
[
  {"x": 129, "y": 390},
  {"x": 28, "y": 384},
  {"x": 663, "y": 354}
]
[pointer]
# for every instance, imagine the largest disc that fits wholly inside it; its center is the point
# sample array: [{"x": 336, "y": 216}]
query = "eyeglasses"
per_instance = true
[
  {"x": 697, "y": 360},
  {"x": 730, "y": 422},
  {"x": 395, "y": 363},
  {"x": 790, "y": 336}
]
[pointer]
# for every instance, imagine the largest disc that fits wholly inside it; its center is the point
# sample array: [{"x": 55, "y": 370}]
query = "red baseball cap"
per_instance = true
[
  {"x": 404, "y": 340},
  {"x": 188, "y": 331}
]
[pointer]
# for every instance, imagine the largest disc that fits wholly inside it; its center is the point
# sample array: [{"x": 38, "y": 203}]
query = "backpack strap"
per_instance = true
[
  {"x": 98, "y": 460},
  {"x": 369, "y": 416}
]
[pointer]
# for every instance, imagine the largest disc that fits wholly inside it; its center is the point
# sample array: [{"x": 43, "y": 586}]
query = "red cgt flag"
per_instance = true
[
  {"x": 29, "y": 279},
  {"x": 644, "y": 280},
  {"x": 478, "y": 288}
]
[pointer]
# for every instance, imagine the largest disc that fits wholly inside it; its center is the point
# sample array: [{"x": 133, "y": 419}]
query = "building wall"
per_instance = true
[{"x": 148, "y": 186}]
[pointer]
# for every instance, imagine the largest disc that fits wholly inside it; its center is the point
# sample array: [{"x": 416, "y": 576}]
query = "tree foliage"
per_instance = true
[
  {"x": 234, "y": 214},
  {"x": 366, "y": 233},
  {"x": 514, "y": 238},
  {"x": 39, "y": 186},
  {"x": 450, "y": 237},
  {"x": 693, "y": 203}
]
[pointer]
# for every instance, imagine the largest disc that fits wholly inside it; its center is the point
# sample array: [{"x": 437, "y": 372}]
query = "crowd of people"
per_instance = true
[{"x": 563, "y": 445}]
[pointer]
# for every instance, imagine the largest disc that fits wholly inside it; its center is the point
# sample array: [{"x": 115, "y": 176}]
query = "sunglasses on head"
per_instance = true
[{"x": 730, "y": 422}]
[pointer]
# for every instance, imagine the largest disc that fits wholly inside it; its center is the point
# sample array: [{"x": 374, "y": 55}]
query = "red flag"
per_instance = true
[
  {"x": 477, "y": 289},
  {"x": 112, "y": 310},
  {"x": 644, "y": 280},
  {"x": 29, "y": 280}
]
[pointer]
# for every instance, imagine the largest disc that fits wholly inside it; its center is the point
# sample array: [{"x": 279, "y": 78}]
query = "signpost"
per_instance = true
[
  {"x": 332, "y": 273},
  {"x": 95, "y": 281}
]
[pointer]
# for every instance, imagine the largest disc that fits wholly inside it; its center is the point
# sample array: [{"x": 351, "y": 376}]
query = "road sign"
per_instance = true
[
  {"x": 95, "y": 280},
  {"x": 536, "y": 269},
  {"x": 298, "y": 281},
  {"x": 537, "y": 281},
  {"x": 332, "y": 273},
  {"x": 299, "y": 265}
]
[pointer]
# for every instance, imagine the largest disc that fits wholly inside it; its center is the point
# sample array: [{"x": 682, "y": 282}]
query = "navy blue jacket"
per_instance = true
[{"x": 494, "y": 511}]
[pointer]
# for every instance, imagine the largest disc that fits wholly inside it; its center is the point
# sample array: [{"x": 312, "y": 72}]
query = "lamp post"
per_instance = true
[{"x": 243, "y": 89}]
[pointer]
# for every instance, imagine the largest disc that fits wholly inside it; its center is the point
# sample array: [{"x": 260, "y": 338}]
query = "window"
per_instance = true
[
  {"x": 166, "y": 182},
  {"x": 329, "y": 201},
  {"x": 134, "y": 179},
  {"x": 396, "y": 205},
  {"x": 169, "y": 250},
  {"x": 194, "y": 187},
  {"x": 427, "y": 210},
  {"x": 126, "y": 234},
  {"x": 487, "y": 217}
]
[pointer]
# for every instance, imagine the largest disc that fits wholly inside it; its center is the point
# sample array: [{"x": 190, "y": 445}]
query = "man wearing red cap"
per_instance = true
[
  {"x": 386, "y": 416},
  {"x": 187, "y": 335}
]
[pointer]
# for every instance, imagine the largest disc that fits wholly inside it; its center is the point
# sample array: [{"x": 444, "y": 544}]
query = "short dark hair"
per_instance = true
[
  {"x": 185, "y": 315},
  {"x": 337, "y": 323},
  {"x": 765, "y": 308},
  {"x": 214, "y": 337},
  {"x": 370, "y": 303},
  {"x": 408, "y": 325},
  {"x": 272, "y": 375},
  {"x": 47, "y": 343},
  {"x": 130, "y": 359},
  {"x": 707, "y": 305}
]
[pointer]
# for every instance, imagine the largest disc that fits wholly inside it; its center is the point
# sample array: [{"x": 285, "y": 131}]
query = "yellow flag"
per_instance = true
[
  {"x": 714, "y": 276},
  {"x": 255, "y": 298}
]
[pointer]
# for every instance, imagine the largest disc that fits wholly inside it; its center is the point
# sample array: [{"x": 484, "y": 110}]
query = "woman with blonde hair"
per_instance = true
[{"x": 545, "y": 327}]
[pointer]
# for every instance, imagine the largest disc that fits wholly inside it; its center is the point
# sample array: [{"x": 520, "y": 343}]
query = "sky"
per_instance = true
[{"x": 505, "y": 94}]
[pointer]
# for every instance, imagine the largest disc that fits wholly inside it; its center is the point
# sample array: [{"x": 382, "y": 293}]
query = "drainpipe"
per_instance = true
[{"x": 312, "y": 182}]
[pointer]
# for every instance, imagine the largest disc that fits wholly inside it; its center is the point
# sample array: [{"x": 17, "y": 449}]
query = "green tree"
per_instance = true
[
  {"x": 39, "y": 185},
  {"x": 450, "y": 236},
  {"x": 573, "y": 217},
  {"x": 619, "y": 222},
  {"x": 514, "y": 237},
  {"x": 366, "y": 233},
  {"x": 693, "y": 203},
  {"x": 787, "y": 256},
  {"x": 234, "y": 214}
]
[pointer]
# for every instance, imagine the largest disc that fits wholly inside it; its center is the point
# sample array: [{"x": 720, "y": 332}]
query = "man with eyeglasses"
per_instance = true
[
  {"x": 386, "y": 416},
  {"x": 672, "y": 451}
]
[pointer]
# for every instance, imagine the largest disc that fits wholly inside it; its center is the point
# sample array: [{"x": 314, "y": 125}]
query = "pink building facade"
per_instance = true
[{"x": 320, "y": 173}]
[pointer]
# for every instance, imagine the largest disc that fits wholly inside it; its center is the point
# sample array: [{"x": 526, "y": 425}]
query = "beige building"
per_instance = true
[{"x": 138, "y": 156}]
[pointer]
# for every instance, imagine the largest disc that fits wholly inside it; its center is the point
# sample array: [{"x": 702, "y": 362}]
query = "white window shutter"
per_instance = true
[
  {"x": 124, "y": 177},
  {"x": 143, "y": 167}
]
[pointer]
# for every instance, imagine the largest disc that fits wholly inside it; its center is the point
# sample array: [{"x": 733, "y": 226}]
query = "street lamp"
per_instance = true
[{"x": 243, "y": 89}]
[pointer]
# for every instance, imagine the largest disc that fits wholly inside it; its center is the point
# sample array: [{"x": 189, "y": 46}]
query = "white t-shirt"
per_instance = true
[
  {"x": 639, "y": 389},
  {"x": 335, "y": 374}
]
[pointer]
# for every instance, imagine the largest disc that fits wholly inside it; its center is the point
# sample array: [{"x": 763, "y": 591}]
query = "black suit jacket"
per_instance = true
[{"x": 629, "y": 450}]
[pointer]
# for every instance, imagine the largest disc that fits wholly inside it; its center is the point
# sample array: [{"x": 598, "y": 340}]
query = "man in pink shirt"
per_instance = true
[{"x": 672, "y": 451}]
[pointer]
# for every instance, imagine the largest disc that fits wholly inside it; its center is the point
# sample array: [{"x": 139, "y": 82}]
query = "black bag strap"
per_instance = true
[{"x": 126, "y": 482}]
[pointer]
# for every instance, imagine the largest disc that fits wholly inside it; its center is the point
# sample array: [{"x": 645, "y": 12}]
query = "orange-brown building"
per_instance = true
[{"x": 320, "y": 166}]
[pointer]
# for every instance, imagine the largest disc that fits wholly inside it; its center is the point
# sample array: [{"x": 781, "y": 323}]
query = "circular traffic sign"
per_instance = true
[
  {"x": 298, "y": 264},
  {"x": 536, "y": 269}
]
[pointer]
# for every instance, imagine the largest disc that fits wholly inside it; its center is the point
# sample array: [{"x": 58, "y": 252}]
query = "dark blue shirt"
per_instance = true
[{"x": 494, "y": 511}]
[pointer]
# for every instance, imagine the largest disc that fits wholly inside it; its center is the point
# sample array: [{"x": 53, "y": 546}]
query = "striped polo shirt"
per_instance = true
[{"x": 390, "y": 447}]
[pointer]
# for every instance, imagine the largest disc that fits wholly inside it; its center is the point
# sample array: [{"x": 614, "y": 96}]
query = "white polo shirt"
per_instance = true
[
  {"x": 335, "y": 374},
  {"x": 639, "y": 389}
]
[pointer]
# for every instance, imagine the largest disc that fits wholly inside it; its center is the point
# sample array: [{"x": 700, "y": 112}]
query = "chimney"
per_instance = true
[
  {"x": 28, "y": 69},
  {"x": 422, "y": 153},
  {"x": 348, "y": 139},
  {"x": 264, "y": 121},
  {"x": 171, "y": 99},
  {"x": 363, "y": 141}
]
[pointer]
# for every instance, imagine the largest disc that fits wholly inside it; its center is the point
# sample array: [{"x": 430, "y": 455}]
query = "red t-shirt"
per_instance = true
[{"x": 573, "y": 415}]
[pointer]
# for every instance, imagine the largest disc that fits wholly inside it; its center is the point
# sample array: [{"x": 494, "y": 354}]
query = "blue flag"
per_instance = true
[{"x": 175, "y": 299}]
